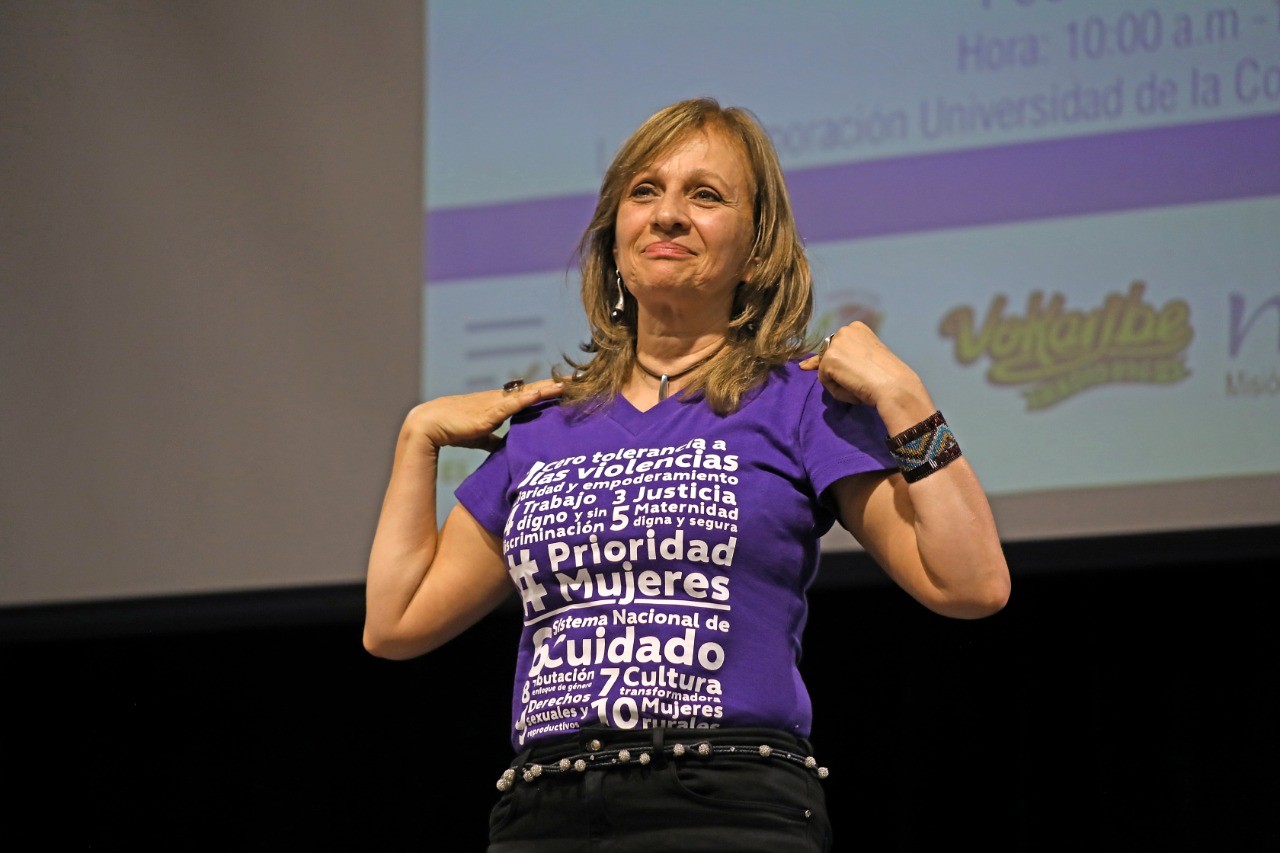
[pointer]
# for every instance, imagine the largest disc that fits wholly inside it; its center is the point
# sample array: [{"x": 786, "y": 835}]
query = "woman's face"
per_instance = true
[{"x": 684, "y": 228}]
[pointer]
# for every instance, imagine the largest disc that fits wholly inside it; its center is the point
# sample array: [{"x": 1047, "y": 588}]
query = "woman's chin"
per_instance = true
[{"x": 682, "y": 288}]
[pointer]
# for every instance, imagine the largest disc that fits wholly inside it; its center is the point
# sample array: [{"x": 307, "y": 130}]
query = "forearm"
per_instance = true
[
  {"x": 955, "y": 536},
  {"x": 958, "y": 546},
  {"x": 406, "y": 538}
]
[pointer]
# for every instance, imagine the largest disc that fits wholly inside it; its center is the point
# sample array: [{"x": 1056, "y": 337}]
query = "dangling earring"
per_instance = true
[{"x": 617, "y": 313}]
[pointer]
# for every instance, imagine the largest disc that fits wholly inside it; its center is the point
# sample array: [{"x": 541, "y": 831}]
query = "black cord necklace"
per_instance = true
[{"x": 665, "y": 378}]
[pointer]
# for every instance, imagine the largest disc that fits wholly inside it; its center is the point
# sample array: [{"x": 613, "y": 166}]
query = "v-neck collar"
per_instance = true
[{"x": 625, "y": 414}]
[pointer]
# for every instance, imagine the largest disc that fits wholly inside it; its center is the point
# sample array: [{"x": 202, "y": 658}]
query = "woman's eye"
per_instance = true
[
  {"x": 707, "y": 195},
  {"x": 642, "y": 190}
]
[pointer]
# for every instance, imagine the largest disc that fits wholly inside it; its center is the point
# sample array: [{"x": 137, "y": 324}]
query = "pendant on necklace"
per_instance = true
[{"x": 662, "y": 388}]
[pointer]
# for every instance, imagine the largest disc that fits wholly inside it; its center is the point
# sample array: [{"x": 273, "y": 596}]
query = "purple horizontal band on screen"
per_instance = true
[{"x": 1184, "y": 164}]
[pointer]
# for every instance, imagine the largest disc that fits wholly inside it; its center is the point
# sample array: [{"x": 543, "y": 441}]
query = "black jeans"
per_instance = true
[{"x": 723, "y": 801}]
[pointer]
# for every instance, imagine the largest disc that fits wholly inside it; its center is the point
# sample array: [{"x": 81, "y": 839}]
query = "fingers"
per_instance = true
[
  {"x": 489, "y": 442},
  {"x": 546, "y": 388},
  {"x": 814, "y": 361},
  {"x": 470, "y": 420},
  {"x": 837, "y": 359},
  {"x": 857, "y": 367},
  {"x": 844, "y": 395},
  {"x": 515, "y": 397},
  {"x": 828, "y": 380}
]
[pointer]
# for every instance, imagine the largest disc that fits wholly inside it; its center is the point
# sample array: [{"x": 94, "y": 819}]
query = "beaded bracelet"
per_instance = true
[{"x": 924, "y": 448}]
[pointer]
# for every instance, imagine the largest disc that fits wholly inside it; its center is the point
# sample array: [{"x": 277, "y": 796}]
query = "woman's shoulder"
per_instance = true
[
  {"x": 796, "y": 373},
  {"x": 787, "y": 380},
  {"x": 780, "y": 397},
  {"x": 557, "y": 414},
  {"x": 545, "y": 413}
]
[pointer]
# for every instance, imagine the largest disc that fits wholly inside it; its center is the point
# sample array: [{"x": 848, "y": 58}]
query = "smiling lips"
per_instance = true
[{"x": 664, "y": 249}]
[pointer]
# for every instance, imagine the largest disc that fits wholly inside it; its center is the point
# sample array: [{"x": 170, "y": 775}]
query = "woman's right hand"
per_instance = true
[
  {"x": 469, "y": 420},
  {"x": 426, "y": 585}
]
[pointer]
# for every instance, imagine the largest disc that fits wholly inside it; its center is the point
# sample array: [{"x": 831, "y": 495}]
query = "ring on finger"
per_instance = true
[
  {"x": 512, "y": 386},
  {"x": 826, "y": 342}
]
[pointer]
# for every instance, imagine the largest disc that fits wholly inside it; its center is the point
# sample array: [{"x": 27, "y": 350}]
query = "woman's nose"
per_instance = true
[{"x": 669, "y": 213}]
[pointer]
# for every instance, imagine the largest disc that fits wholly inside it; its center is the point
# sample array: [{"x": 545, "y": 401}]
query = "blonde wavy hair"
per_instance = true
[{"x": 771, "y": 312}]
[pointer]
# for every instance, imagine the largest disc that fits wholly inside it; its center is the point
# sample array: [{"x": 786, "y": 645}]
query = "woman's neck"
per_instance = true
[
  {"x": 655, "y": 377},
  {"x": 674, "y": 353},
  {"x": 670, "y": 340}
]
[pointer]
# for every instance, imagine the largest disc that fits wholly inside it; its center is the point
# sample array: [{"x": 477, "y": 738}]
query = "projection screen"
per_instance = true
[
  {"x": 243, "y": 239},
  {"x": 1064, "y": 215}
]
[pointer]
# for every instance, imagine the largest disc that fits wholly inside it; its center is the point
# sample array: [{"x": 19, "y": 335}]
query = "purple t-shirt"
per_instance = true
[{"x": 663, "y": 557}]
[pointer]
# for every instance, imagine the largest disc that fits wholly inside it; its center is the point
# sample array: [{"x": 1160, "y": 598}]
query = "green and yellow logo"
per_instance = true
[{"x": 1057, "y": 353}]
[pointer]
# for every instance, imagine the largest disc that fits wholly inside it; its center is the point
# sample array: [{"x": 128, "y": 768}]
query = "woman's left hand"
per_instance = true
[{"x": 856, "y": 367}]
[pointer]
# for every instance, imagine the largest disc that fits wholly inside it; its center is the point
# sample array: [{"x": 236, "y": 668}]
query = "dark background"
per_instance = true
[
  {"x": 1125, "y": 699},
  {"x": 210, "y": 276}
]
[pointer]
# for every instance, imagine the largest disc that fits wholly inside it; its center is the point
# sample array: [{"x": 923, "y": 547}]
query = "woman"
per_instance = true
[{"x": 661, "y": 519}]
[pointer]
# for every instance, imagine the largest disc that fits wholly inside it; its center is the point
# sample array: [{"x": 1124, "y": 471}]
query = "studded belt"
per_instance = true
[{"x": 602, "y": 749}]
